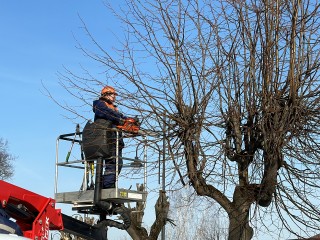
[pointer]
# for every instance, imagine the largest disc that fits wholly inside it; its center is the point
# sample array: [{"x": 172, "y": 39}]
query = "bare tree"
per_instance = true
[
  {"x": 6, "y": 170},
  {"x": 236, "y": 85}
]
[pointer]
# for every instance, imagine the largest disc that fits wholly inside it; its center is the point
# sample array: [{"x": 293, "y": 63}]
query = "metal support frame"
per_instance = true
[{"x": 81, "y": 200}]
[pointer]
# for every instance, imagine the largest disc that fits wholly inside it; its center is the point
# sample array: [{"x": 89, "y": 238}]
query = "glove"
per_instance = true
[{"x": 121, "y": 122}]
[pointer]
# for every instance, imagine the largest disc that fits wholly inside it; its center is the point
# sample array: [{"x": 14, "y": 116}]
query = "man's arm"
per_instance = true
[{"x": 102, "y": 111}]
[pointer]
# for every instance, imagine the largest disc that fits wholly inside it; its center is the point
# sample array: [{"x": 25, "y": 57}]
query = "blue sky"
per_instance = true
[{"x": 37, "y": 40}]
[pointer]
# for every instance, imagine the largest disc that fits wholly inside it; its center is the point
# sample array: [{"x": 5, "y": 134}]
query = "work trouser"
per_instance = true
[
  {"x": 109, "y": 176},
  {"x": 100, "y": 141}
]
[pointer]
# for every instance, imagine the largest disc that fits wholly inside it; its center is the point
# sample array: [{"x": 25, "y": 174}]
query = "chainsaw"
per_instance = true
[{"x": 131, "y": 125}]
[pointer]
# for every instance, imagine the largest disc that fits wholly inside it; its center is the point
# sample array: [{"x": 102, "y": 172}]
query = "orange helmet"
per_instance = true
[{"x": 108, "y": 90}]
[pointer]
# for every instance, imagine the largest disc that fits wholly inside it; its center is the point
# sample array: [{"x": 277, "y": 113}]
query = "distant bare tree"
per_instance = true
[
  {"x": 195, "y": 218},
  {"x": 236, "y": 86},
  {"x": 6, "y": 170}
]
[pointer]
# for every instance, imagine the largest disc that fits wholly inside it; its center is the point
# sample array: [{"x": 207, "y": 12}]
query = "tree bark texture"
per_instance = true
[{"x": 137, "y": 232}]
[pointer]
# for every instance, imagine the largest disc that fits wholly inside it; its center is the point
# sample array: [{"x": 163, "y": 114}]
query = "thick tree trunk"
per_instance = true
[{"x": 239, "y": 228}]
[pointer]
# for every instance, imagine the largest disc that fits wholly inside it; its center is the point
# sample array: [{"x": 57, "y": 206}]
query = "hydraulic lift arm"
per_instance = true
[{"x": 36, "y": 215}]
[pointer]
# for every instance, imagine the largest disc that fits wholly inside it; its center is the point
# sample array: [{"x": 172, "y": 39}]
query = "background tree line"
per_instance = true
[{"x": 6, "y": 160}]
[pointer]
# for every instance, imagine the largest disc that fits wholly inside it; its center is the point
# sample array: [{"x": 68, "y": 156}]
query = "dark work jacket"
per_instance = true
[
  {"x": 107, "y": 111},
  {"x": 98, "y": 139}
]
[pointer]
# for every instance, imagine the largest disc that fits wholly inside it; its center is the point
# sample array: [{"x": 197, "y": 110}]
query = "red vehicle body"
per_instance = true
[{"x": 35, "y": 214}]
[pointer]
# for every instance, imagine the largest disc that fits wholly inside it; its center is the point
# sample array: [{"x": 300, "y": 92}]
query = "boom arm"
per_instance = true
[{"x": 36, "y": 215}]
